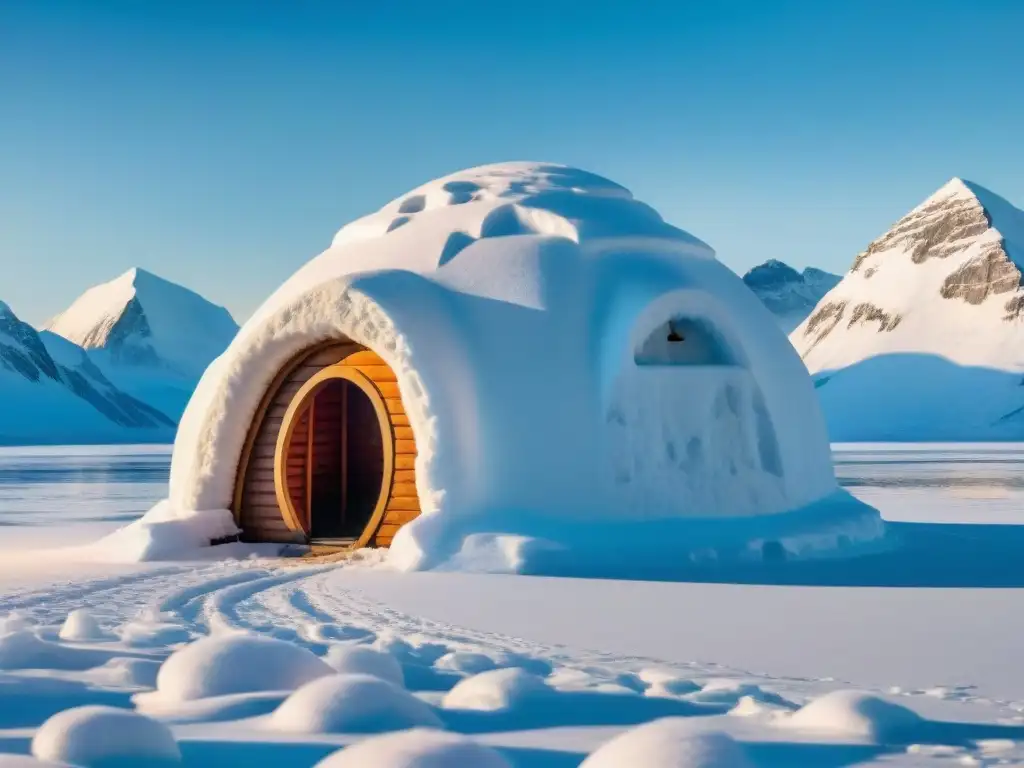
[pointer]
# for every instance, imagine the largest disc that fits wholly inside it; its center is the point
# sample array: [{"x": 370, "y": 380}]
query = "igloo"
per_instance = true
[{"x": 522, "y": 367}]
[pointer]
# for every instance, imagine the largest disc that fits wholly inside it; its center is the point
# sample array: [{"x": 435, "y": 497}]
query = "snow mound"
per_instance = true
[
  {"x": 352, "y": 704},
  {"x": 23, "y": 650},
  {"x": 101, "y": 737},
  {"x": 360, "y": 659},
  {"x": 853, "y": 713},
  {"x": 668, "y": 743},
  {"x": 15, "y": 621},
  {"x": 217, "y": 666},
  {"x": 498, "y": 689},
  {"x": 417, "y": 748},
  {"x": 123, "y": 672},
  {"x": 466, "y": 662},
  {"x": 162, "y": 535},
  {"x": 82, "y": 626}
]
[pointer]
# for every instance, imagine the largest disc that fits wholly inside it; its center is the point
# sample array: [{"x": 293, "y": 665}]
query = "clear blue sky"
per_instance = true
[{"x": 221, "y": 144}]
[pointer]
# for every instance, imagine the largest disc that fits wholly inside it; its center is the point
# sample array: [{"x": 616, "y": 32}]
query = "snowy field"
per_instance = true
[{"x": 934, "y": 628}]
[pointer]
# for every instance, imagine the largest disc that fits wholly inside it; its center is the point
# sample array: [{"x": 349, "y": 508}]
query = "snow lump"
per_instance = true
[
  {"x": 668, "y": 743},
  {"x": 97, "y": 737},
  {"x": 352, "y": 704},
  {"x": 854, "y": 713},
  {"x": 418, "y": 748},
  {"x": 361, "y": 659},
  {"x": 236, "y": 663}
]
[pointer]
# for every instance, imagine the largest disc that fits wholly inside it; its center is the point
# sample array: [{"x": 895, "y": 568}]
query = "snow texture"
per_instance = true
[
  {"x": 352, "y": 704},
  {"x": 524, "y": 308},
  {"x": 928, "y": 315},
  {"x": 418, "y": 748},
  {"x": 668, "y": 743},
  {"x": 105, "y": 737}
]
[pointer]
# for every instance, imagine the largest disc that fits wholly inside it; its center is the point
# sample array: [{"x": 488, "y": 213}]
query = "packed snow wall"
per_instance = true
[{"x": 527, "y": 311}]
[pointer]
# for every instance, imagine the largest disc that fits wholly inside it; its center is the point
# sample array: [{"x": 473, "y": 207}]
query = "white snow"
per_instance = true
[
  {"x": 668, "y": 743},
  {"x": 921, "y": 627},
  {"x": 360, "y": 659},
  {"x": 235, "y": 663},
  {"x": 457, "y": 284},
  {"x": 352, "y": 703},
  {"x": 496, "y": 689},
  {"x": 82, "y": 626},
  {"x": 99, "y": 737},
  {"x": 855, "y": 713},
  {"x": 418, "y": 748}
]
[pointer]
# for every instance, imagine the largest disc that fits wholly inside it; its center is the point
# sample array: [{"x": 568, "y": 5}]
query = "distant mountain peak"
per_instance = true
[
  {"x": 788, "y": 294},
  {"x": 945, "y": 282},
  {"x": 142, "y": 319}
]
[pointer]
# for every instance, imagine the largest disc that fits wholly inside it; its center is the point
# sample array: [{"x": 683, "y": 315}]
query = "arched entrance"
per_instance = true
[
  {"x": 334, "y": 458},
  {"x": 350, "y": 397}
]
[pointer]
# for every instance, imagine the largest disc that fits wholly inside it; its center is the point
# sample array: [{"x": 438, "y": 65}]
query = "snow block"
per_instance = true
[
  {"x": 668, "y": 743},
  {"x": 418, "y": 748},
  {"x": 352, "y": 704},
  {"x": 105, "y": 737}
]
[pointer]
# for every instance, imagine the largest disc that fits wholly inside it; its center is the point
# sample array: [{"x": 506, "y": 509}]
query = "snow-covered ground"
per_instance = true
[{"x": 933, "y": 629}]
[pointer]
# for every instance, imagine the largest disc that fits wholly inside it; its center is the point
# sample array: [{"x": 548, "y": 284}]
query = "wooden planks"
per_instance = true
[{"x": 256, "y": 503}]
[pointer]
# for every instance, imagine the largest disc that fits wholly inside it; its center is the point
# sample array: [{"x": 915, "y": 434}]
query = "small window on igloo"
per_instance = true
[{"x": 684, "y": 341}]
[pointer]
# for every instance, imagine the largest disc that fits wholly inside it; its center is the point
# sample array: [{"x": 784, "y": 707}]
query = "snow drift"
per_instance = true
[{"x": 529, "y": 312}]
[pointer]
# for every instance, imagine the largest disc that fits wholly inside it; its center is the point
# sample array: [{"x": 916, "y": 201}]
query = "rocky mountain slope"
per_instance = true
[
  {"x": 52, "y": 393},
  {"x": 151, "y": 337},
  {"x": 924, "y": 338},
  {"x": 790, "y": 295}
]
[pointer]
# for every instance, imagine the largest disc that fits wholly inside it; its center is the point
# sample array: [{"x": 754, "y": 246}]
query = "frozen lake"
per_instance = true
[
  {"x": 106, "y": 486},
  {"x": 934, "y": 626}
]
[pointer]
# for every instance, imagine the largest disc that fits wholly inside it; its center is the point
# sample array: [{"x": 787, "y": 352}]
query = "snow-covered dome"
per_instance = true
[{"x": 563, "y": 357}]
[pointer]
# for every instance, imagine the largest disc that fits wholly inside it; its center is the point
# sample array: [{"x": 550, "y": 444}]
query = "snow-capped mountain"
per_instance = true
[
  {"x": 151, "y": 337},
  {"x": 923, "y": 339},
  {"x": 790, "y": 295},
  {"x": 52, "y": 393}
]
